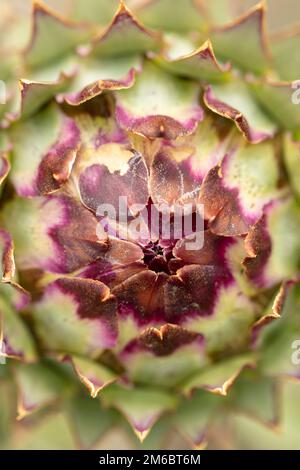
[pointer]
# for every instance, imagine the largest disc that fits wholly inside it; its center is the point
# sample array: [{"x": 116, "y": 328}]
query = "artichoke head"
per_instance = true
[{"x": 107, "y": 322}]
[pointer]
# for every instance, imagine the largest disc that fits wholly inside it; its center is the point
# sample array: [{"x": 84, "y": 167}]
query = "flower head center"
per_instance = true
[{"x": 157, "y": 257}]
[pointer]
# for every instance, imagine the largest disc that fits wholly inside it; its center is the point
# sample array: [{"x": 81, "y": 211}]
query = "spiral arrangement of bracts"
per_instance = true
[{"x": 152, "y": 104}]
